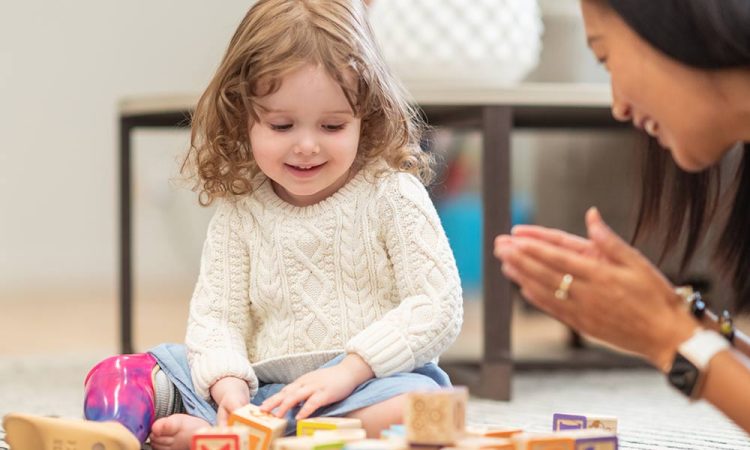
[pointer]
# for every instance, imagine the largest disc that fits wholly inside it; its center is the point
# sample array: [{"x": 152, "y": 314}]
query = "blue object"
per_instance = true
[{"x": 461, "y": 217}]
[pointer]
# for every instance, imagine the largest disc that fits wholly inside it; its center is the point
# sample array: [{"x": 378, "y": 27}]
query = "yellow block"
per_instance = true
[{"x": 307, "y": 427}]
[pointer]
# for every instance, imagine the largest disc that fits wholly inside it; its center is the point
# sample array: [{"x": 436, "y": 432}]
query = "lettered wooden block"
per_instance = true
[
  {"x": 379, "y": 444},
  {"x": 436, "y": 417},
  {"x": 494, "y": 431},
  {"x": 346, "y": 434},
  {"x": 307, "y": 427},
  {"x": 221, "y": 438},
  {"x": 589, "y": 439},
  {"x": 484, "y": 443},
  {"x": 308, "y": 443},
  {"x": 263, "y": 427},
  {"x": 525, "y": 441},
  {"x": 562, "y": 422}
]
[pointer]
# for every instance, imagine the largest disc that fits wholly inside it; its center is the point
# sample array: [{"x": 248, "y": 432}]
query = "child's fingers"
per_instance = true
[
  {"x": 221, "y": 416},
  {"x": 272, "y": 402},
  {"x": 293, "y": 399},
  {"x": 315, "y": 401}
]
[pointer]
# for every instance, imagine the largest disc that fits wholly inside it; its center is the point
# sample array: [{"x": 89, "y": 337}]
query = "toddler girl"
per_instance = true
[{"x": 327, "y": 286}]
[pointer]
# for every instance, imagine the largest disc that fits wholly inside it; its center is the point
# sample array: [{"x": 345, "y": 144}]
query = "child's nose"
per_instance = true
[{"x": 307, "y": 145}]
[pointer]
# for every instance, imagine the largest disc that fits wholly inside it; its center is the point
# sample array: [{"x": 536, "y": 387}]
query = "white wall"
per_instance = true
[{"x": 63, "y": 67}]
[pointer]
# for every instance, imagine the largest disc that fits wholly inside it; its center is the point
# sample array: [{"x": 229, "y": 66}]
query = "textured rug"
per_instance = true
[{"x": 651, "y": 415}]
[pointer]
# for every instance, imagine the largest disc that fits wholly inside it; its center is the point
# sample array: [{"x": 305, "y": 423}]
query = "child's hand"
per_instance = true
[
  {"x": 320, "y": 387},
  {"x": 229, "y": 393}
]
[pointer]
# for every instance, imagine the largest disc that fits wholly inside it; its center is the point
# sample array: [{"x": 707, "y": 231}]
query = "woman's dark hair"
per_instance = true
[{"x": 709, "y": 35}]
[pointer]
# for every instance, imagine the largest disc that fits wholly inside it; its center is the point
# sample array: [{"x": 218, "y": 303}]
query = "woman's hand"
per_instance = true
[
  {"x": 320, "y": 387},
  {"x": 616, "y": 295},
  {"x": 229, "y": 393}
]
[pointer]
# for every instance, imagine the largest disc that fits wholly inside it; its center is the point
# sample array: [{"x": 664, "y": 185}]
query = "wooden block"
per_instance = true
[
  {"x": 589, "y": 439},
  {"x": 484, "y": 443},
  {"x": 561, "y": 421},
  {"x": 436, "y": 417},
  {"x": 308, "y": 443},
  {"x": 221, "y": 438},
  {"x": 263, "y": 427},
  {"x": 494, "y": 431},
  {"x": 345, "y": 434},
  {"x": 307, "y": 427},
  {"x": 377, "y": 444},
  {"x": 527, "y": 441}
]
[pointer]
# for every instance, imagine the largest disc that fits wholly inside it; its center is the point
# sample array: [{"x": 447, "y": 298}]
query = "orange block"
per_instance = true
[{"x": 263, "y": 428}]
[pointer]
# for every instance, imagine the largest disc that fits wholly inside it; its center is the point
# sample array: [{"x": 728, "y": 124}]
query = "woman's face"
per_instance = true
[{"x": 679, "y": 105}]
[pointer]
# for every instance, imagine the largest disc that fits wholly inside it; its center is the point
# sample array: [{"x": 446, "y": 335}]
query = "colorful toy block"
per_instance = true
[
  {"x": 344, "y": 434},
  {"x": 307, "y": 427},
  {"x": 436, "y": 417},
  {"x": 376, "y": 444},
  {"x": 484, "y": 443},
  {"x": 308, "y": 443},
  {"x": 493, "y": 431},
  {"x": 263, "y": 427},
  {"x": 589, "y": 439},
  {"x": 562, "y": 421},
  {"x": 221, "y": 438}
]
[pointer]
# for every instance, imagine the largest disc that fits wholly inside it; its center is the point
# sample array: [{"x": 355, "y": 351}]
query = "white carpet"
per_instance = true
[{"x": 651, "y": 415}]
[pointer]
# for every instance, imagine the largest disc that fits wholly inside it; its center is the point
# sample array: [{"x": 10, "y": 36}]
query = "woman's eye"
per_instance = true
[
  {"x": 280, "y": 127},
  {"x": 333, "y": 127}
]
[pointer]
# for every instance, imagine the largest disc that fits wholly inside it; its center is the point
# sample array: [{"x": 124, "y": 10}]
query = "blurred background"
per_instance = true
[{"x": 64, "y": 66}]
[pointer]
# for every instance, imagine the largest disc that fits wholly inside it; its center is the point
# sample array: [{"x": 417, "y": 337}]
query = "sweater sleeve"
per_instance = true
[
  {"x": 220, "y": 307},
  {"x": 430, "y": 313}
]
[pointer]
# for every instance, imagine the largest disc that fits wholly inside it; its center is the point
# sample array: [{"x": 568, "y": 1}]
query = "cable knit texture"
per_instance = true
[{"x": 283, "y": 289}]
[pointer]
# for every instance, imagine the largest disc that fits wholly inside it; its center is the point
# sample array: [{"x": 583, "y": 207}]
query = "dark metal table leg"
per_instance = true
[
  {"x": 126, "y": 279},
  {"x": 497, "y": 364}
]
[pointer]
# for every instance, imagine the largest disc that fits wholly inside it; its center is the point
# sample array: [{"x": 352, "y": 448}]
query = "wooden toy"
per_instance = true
[
  {"x": 344, "y": 434},
  {"x": 308, "y": 443},
  {"x": 436, "y": 417},
  {"x": 589, "y": 439},
  {"x": 306, "y": 427},
  {"x": 377, "y": 444},
  {"x": 484, "y": 443},
  {"x": 221, "y": 438},
  {"x": 562, "y": 421},
  {"x": 263, "y": 427},
  {"x": 493, "y": 431}
]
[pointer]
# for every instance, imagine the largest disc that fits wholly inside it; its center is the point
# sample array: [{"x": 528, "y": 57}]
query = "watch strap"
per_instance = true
[{"x": 701, "y": 347}]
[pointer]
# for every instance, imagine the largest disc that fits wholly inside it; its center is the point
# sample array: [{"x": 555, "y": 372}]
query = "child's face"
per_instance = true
[
  {"x": 677, "y": 104},
  {"x": 307, "y": 137}
]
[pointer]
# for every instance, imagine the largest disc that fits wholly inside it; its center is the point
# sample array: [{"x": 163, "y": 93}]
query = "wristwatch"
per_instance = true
[{"x": 691, "y": 361}]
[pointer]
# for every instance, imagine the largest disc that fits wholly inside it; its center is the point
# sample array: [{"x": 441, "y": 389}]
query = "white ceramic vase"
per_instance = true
[{"x": 485, "y": 43}]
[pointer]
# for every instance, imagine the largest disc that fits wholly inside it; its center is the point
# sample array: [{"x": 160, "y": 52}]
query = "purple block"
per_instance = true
[
  {"x": 568, "y": 422},
  {"x": 597, "y": 443}
]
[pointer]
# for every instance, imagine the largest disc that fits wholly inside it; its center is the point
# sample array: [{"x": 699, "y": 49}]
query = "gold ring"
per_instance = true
[{"x": 562, "y": 291}]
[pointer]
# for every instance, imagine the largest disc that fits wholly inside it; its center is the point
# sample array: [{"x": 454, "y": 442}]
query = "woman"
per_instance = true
[{"x": 680, "y": 70}]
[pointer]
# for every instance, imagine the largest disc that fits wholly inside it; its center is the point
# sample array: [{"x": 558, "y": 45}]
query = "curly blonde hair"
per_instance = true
[{"x": 275, "y": 38}]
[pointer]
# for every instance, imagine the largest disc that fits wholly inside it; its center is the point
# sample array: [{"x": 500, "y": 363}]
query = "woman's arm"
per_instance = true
[
  {"x": 618, "y": 296},
  {"x": 727, "y": 386}
]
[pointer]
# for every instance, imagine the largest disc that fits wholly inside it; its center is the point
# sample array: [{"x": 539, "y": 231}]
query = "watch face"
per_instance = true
[{"x": 683, "y": 375}]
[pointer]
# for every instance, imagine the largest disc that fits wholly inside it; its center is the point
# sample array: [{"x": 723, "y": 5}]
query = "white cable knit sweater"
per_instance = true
[{"x": 283, "y": 289}]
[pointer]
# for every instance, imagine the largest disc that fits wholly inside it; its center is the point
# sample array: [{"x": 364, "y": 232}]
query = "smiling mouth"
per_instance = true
[{"x": 304, "y": 167}]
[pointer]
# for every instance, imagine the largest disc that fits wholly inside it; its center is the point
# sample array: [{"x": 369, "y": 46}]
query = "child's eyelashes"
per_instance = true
[{"x": 289, "y": 126}]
